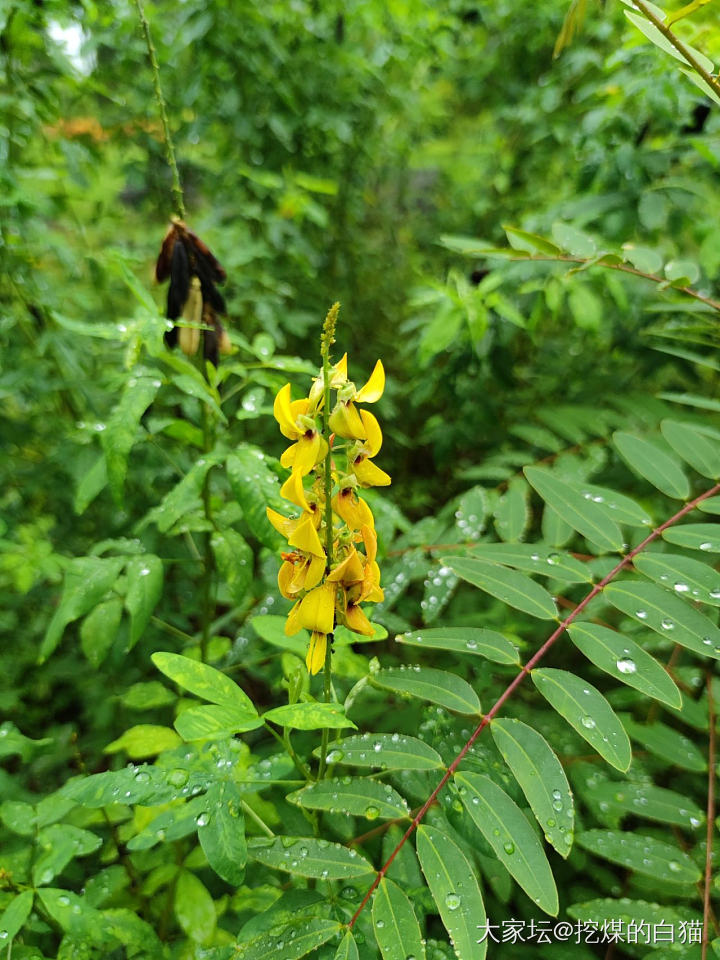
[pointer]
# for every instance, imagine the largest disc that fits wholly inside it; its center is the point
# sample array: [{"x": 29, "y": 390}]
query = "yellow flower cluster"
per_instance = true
[{"x": 329, "y": 573}]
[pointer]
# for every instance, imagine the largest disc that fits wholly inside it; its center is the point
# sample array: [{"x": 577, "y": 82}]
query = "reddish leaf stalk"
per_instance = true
[{"x": 515, "y": 683}]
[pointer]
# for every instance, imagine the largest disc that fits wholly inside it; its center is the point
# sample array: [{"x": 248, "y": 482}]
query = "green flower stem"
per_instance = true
[
  {"x": 328, "y": 338},
  {"x": 208, "y": 606},
  {"x": 284, "y": 742},
  {"x": 167, "y": 136},
  {"x": 258, "y": 820}
]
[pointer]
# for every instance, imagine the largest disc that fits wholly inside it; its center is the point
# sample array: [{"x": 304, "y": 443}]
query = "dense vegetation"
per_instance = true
[{"x": 516, "y": 207}]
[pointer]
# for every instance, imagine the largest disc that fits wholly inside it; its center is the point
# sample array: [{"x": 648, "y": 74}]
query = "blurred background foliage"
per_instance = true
[{"x": 325, "y": 151}]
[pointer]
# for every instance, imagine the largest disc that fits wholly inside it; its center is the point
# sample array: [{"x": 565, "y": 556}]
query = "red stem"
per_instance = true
[{"x": 515, "y": 683}]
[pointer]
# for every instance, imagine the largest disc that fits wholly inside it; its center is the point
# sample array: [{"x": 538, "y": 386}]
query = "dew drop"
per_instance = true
[
  {"x": 626, "y": 665},
  {"x": 452, "y": 901},
  {"x": 587, "y": 722}
]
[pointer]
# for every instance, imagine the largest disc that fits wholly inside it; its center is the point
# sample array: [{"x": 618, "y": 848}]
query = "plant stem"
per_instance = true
[
  {"x": 328, "y": 338},
  {"x": 258, "y": 820},
  {"x": 288, "y": 747},
  {"x": 167, "y": 136},
  {"x": 518, "y": 679},
  {"x": 685, "y": 52},
  {"x": 208, "y": 607}
]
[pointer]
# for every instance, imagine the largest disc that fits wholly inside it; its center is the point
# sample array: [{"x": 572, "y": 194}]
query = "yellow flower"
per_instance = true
[
  {"x": 345, "y": 420},
  {"x": 295, "y": 424},
  {"x": 315, "y": 659}
]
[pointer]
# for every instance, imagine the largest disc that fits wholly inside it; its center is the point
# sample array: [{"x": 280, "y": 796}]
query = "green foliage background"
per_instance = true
[{"x": 371, "y": 153}]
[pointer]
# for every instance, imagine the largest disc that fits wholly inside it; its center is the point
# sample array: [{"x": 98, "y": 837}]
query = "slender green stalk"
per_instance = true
[
  {"x": 685, "y": 52},
  {"x": 287, "y": 746},
  {"x": 171, "y": 628},
  {"x": 208, "y": 606},
  {"x": 167, "y": 136},
  {"x": 328, "y": 338},
  {"x": 258, "y": 820}
]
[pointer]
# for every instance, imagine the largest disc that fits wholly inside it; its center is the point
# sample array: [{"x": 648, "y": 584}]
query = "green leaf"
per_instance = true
[
  {"x": 99, "y": 630},
  {"x": 687, "y": 577},
  {"x": 534, "y": 558},
  {"x": 541, "y": 778},
  {"x": 692, "y": 400},
  {"x": 661, "y": 469},
  {"x": 618, "y": 508},
  {"x": 625, "y": 660},
  {"x": 666, "y": 614},
  {"x": 588, "y": 712},
  {"x": 234, "y": 560},
  {"x": 465, "y": 640},
  {"x": 585, "y": 516},
  {"x": 511, "y": 587},
  {"x": 184, "y": 496},
  {"x": 437, "y": 686},
  {"x": 693, "y": 446},
  {"x": 202, "y": 680},
  {"x": 577, "y": 243},
  {"x": 645, "y": 259},
  {"x": 695, "y": 536},
  {"x": 195, "y": 386},
  {"x": 194, "y": 908},
  {"x": 271, "y": 628},
  {"x": 471, "y": 512},
  {"x": 452, "y": 882},
  {"x": 298, "y": 938},
  {"x": 649, "y": 802},
  {"x": 389, "y": 751},
  {"x": 660, "y": 40},
  {"x": 308, "y": 857},
  {"x": 397, "y": 930},
  {"x": 144, "y": 589},
  {"x": 145, "y": 785},
  {"x": 73, "y": 915},
  {"x": 531, "y": 242},
  {"x": 628, "y": 915},
  {"x": 310, "y": 716},
  {"x": 87, "y": 580},
  {"x": 348, "y": 948},
  {"x": 669, "y": 745},
  {"x": 555, "y": 530},
  {"x": 505, "y": 828},
  {"x": 255, "y": 487},
  {"x": 657, "y": 859},
  {"x": 511, "y": 513},
  {"x": 122, "y": 429},
  {"x": 90, "y": 484},
  {"x": 15, "y": 914},
  {"x": 61, "y": 843},
  {"x": 144, "y": 740},
  {"x": 222, "y": 832},
  {"x": 215, "y": 722},
  {"x": 356, "y": 796}
]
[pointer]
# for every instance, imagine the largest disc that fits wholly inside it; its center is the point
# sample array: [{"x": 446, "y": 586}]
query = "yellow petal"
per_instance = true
[
  {"x": 317, "y": 609},
  {"x": 315, "y": 571},
  {"x": 294, "y": 491},
  {"x": 349, "y": 571},
  {"x": 315, "y": 659},
  {"x": 375, "y": 386},
  {"x": 369, "y": 475},
  {"x": 305, "y": 537},
  {"x": 282, "y": 411},
  {"x": 357, "y": 621},
  {"x": 284, "y": 525},
  {"x": 371, "y": 589},
  {"x": 370, "y": 540},
  {"x": 285, "y": 577},
  {"x": 373, "y": 433},
  {"x": 345, "y": 422},
  {"x": 292, "y": 624},
  {"x": 338, "y": 373},
  {"x": 354, "y": 511},
  {"x": 308, "y": 452}
]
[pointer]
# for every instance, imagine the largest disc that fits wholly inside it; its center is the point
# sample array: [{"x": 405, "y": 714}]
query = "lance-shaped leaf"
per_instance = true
[
  {"x": 511, "y": 513},
  {"x": 255, "y": 487},
  {"x": 13, "y": 917},
  {"x": 583, "y": 515},
  {"x": 291, "y": 942},
  {"x": 144, "y": 589},
  {"x": 534, "y": 558},
  {"x": 122, "y": 428},
  {"x": 618, "y": 508},
  {"x": 99, "y": 629},
  {"x": 397, "y": 930},
  {"x": 695, "y": 447},
  {"x": 451, "y": 879},
  {"x": 87, "y": 580},
  {"x": 643, "y": 854},
  {"x": 696, "y": 536},
  {"x": 61, "y": 843},
  {"x": 308, "y": 857},
  {"x": 541, "y": 777},
  {"x": 649, "y": 802},
  {"x": 671, "y": 746},
  {"x": 683, "y": 575},
  {"x": 511, "y": 587},
  {"x": 184, "y": 497},
  {"x": 505, "y": 828},
  {"x": 658, "y": 467},
  {"x": 310, "y": 716},
  {"x": 221, "y": 832},
  {"x": 437, "y": 686},
  {"x": 588, "y": 712},
  {"x": 234, "y": 560},
  {"x": 348, "y": 948},
  {"x": 470, "y": 640},
  {"x": 202, "y": 680},
  {"x": 389, "y": 751},
  {"x": 194, "y": 907},
  {"x": 668, "y": 615},
  {"x": 625, "y": 660},
  {"x": 216, "y": 721},
  {"x": 359, "y": 797}
]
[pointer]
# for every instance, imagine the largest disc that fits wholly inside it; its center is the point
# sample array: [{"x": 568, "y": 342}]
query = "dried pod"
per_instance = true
[{"x": 192, "y": 312}]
